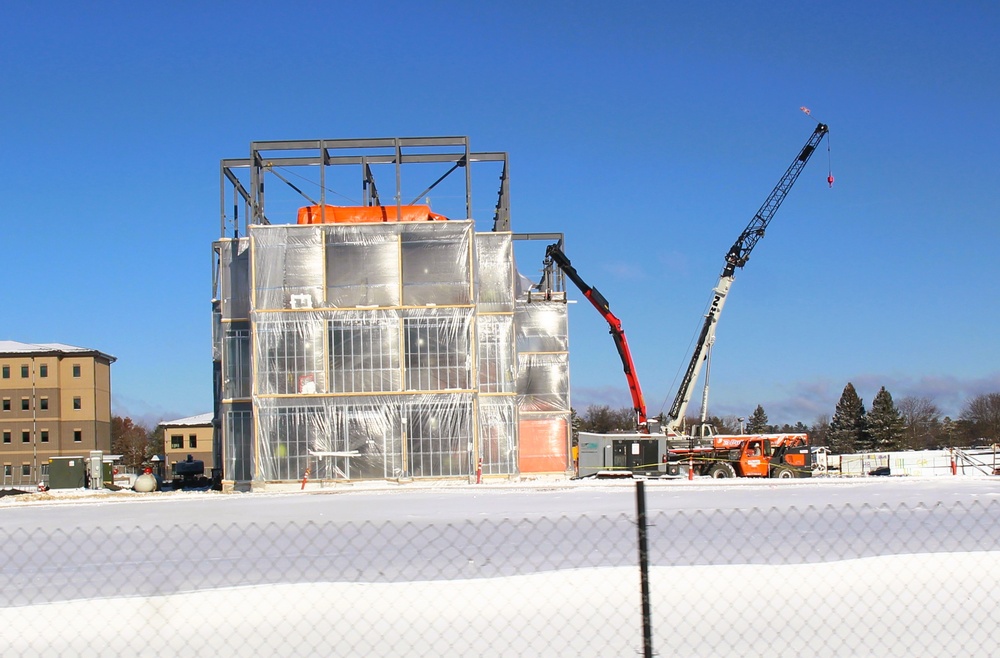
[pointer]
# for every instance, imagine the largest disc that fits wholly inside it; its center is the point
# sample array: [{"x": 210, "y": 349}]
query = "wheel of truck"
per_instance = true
[
  {"x": 722, "y": 470},
  {"x": 783, "y": 473}
]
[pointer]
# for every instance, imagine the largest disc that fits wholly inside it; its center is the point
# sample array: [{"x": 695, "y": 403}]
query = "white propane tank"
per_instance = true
[{"x": 145, "y": 483}]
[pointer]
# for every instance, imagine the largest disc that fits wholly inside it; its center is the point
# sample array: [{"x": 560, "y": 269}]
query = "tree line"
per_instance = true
[{"x": 914, "y": 423}]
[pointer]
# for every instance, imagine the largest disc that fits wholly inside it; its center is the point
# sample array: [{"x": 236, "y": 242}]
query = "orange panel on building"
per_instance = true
[{"x": 543, "y": 445}]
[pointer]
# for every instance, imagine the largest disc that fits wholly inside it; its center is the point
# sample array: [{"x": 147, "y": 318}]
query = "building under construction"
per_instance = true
[{"x": 356, "y": 339}]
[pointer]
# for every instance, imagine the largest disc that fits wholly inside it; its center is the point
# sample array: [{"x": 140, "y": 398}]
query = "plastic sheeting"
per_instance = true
[
  {"x": 498, "y": 434},
  {"x": 234, "y": 275},
  {"x": 362, "y": 265},
  {"x": 236, "y": 364},
  {"x": 543, "y": 382},
  {"x": 542, "y": 327},
  {"x": 494, "y": 273},
  {"x": 386, "y": 350},
  {"x": 365, "y": 437},
  {"x": 495, "y": 350},
  {"x": 238, "y": 440}
]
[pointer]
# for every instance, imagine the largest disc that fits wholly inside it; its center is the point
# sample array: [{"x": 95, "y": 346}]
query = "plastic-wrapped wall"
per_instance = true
[
  {"x": 385, "y": 350},
  {"x": 543, "y": 386}
]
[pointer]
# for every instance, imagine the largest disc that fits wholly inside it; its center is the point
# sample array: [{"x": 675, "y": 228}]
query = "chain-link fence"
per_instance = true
[{"x": 817, "y": 581}]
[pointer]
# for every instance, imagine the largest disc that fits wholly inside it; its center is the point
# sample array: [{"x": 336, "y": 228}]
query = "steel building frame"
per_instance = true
[{"x": 365, "y": 152}]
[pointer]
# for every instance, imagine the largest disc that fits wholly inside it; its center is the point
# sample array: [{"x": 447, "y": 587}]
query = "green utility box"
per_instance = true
[{"x": 67, "y": 473}]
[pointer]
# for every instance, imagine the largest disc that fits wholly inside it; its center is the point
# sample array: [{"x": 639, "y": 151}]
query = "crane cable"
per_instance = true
[{"x": 829, "y": 160}]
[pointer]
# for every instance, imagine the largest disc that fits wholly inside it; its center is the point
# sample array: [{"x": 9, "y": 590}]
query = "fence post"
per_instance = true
[{"x": 647, "y": 631}]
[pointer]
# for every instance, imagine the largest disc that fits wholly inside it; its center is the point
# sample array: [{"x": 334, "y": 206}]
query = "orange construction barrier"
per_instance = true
[{"x": 366, "y": 214}]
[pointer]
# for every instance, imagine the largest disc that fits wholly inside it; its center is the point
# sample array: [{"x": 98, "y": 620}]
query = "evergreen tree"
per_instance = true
[
  {"x": 847, "y": 428},
  {"x": 885, "y": 424},
  {"x": 757, "y": 423}
]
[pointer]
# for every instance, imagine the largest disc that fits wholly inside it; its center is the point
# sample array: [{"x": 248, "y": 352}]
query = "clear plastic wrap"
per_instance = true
[
  {"x": 436, "y": 263},
  {"x": 365, "y": 437},
  {"x": 234, "y": 274},
  {"x": 236, "y": 362},
  {"x": 542, "y": 327},
  {"x": 387, "y": 350},
  {"x": 498, "y": 434},
  {"x": 365, "y": 351},
  {"x": 238, "y": 442},
  {"x": 288, "y": 351},
  {"x": 437, "y": 349},
  {"x": 494, "y": 273},
  {"x": 287, "y": 266},
  {"x": 362, "y": 266},
  {"x": 543, "y": 382},
  {"x": 495, "y": 351}
]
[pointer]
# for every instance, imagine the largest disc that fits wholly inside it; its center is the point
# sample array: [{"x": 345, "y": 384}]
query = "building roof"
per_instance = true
[
  {"x": 200, "y": 419},
  {"x": 14, "y": 347}
]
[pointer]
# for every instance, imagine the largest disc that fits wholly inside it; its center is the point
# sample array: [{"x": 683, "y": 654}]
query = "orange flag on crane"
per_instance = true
[{"x": 806, "y": 110}]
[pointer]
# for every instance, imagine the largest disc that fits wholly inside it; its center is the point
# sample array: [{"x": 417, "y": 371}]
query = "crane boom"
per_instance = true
[
  {"x": 737, "y": 257},
  {"x": 555, "y": 253}
]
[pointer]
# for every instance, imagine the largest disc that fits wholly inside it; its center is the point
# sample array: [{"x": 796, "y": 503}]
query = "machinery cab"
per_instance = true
[{"x": 755, "y": 457}]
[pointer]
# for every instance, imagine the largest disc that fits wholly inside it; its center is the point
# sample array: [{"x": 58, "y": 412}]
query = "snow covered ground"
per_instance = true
[{"x": 865, "y": 567}]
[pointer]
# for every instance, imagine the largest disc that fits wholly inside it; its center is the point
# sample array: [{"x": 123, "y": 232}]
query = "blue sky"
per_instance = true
[{"x": 648, "y": 133}]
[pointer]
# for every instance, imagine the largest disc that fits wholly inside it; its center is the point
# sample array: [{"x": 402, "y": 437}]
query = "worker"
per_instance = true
[{"x": 754, "y": 450}]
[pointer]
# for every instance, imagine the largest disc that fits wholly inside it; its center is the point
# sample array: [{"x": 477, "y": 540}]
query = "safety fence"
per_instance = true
[{"x": 819, "y": 581}]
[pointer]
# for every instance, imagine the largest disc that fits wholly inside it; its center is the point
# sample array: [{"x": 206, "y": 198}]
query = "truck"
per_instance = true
[{"x": 781, "y": 456}]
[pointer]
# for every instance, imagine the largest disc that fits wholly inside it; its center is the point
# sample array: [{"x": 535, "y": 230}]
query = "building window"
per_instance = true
[
  {"x": 25, "y": 404},
  {"x": 26, "y": 470},
  {"x": 45, "y": 436},
  {"x": 6, "y": 436},
  {"x": 24, "y": 372},
  {"x": 25, "y": 436},
  {"x": 8, "y": 470},
  {"x": 43, "y": 370},
  {"x": 176, "y": 442},
  {"x": 193, "y": 441},
  {"x": 76, "y": 370},
  {"x": 6, "y": 404},
  {"x": 436, "y": 352},
  {"x": 77, "y": 436},
  {"x": 45, "y": 470},
  {"x": 6, "y": 372},
  {"x": 43, "y": 404},
  {"x": 77, "y": 403}
]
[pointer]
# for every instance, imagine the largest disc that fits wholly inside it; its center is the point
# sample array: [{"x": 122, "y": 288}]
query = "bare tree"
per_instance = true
[
  {"x": 130, "y": 440},
  {"x": 921, "y": 423},
  {"x": 819, "y": 433},
  {"x": 982, "y": 413},
  {"x": 602, "y": 419}
]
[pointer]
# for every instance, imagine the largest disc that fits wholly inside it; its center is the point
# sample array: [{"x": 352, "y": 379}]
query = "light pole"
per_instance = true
[
  {"x": 34, "y": 426},
  {"x": 741, "y": 419}
]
